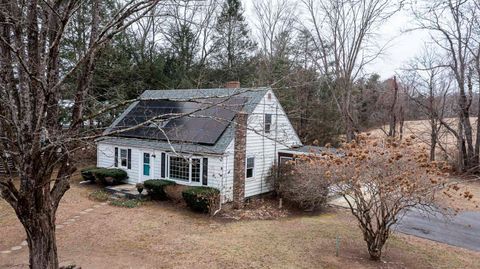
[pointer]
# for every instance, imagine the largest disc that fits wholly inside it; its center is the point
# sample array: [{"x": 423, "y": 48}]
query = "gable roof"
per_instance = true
[{"x": 250, "y": 98}]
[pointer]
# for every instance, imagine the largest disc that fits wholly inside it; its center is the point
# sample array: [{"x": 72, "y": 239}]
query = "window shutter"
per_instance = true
[
  {"x": 163, "y": 165},
  {"x": 129, "y": 159},
  {"x": 205, "y": 172},
  {"x": 116, "y": 157}
]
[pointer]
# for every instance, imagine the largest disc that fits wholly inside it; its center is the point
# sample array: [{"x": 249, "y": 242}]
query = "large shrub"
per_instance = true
[
  {"x": 202, "y": 199},
  {"x": 298, "y": 189},
  {"x": 87, "y": 173},
  {"x": 110, "y": 176},
  {"x": 156, "y": 188}
]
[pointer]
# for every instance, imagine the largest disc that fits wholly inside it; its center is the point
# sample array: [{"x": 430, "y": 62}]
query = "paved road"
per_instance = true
[{"x": 462, "y": 230}]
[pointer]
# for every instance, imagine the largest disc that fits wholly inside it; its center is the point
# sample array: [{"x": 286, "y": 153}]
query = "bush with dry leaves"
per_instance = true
[{"x": 380, "y": 179}]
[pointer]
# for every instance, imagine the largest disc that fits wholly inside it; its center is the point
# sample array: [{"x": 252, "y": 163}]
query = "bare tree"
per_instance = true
[
  {"x": 30, "y": 90},
  {"x": 379, "y": 179},
  {"x": 429, "y": 86},
  {"x": 391, "y": 112},
  {"x": 451, "y": 27},
  {"x": 343, "y": 34}
]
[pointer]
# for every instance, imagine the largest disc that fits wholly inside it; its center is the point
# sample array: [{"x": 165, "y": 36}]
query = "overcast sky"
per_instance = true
[{"x": 403, "y": 45}]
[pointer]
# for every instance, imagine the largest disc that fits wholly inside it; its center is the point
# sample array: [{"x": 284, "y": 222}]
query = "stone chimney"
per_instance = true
[
  {"x": 232, "y": 84},
  {"x": 239, "y": 159}
]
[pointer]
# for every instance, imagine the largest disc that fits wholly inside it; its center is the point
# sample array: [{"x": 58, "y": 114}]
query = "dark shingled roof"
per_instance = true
[{"x": 207, "y": 130}]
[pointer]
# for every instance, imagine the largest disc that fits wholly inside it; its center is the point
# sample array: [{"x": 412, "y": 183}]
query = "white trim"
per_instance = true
[
  {"x": 120, "y": 158},
  {"x": 285, "y": 158},
  {"x": 293, "y": 152},
  {"x": 189, "y": 181}
]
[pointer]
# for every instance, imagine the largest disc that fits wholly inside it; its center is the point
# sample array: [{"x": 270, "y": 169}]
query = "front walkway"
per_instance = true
[
  {"x": 58, "y": 227},
  {"x": 125, "y": 190}
]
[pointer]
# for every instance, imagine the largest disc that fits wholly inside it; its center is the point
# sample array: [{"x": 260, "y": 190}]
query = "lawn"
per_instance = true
[{"x": 162, "y": 235}]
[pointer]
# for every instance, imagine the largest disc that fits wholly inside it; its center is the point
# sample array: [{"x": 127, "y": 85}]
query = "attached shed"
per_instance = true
[{"x": 289, "y": 154}]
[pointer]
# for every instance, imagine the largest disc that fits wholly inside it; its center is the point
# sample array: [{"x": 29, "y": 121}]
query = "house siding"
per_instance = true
[
  {"x": 106, "y": 157},
  {"x": 264, "y": 147}
]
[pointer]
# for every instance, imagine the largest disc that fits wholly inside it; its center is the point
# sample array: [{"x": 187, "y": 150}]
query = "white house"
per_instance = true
[{"x": 188, "y": 136}]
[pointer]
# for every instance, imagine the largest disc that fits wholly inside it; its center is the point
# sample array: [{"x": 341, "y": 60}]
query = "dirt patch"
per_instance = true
[
  {"x": 255, "y": 209},
  {"x": 174, "y": 192}
]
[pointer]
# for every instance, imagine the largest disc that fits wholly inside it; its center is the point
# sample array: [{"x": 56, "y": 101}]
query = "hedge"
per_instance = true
[
  {"x": 201, "y": 199},
  {"x": 87, "y": 173},
  {"x": 156, "y": 188},
  {"x": 110, "y": 176}
]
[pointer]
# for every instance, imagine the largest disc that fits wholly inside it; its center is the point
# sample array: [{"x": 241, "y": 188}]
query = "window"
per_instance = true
[
  {"x": 195, "y": 170},
  {"x": 189, "y": 170},
  {"x": 179, "y": 168},
  {"x": 123, "y": 158},
  {"x": 268, "y": 122},
  {"x": 250, "y": 167},
  {"x": 284, "y": 160}
]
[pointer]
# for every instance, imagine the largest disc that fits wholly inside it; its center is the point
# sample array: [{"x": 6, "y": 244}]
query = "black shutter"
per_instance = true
[
  {"x": 205, "y": 172},
  {"x": 116, "y": 157},
  {"x": 129, "y": 159},
  {"x": 163, "y": 165}
]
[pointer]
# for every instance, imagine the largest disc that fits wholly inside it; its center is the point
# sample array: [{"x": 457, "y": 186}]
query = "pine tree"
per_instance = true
[{"x": 233, "y": 44}]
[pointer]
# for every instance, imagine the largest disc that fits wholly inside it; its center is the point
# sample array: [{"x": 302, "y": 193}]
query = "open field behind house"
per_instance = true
[
  {"x": 421, "y": 130},
  {"x": 162, "y": 235}
]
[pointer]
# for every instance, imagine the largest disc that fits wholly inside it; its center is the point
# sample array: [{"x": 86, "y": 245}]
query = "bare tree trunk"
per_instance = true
[
  {"x": 40, "y": 228},
  {"x": 393, "y": 116},
  {"x": 476, "y": 158},
  {"x": 433, "y": 139},
  {"x": 401, "y": 122}
]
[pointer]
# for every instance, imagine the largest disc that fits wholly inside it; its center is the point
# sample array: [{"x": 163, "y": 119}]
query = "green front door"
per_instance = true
[{"x": 146, "y": 165}]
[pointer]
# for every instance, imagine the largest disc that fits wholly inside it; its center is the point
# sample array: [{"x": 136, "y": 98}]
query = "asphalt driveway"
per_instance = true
[{"x": 462, "y": 230}]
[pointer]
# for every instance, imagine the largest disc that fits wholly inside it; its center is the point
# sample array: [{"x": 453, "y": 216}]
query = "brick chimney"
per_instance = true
[
  {"x": 232, "y": 84},
  {"x": 239, "y": 159}
]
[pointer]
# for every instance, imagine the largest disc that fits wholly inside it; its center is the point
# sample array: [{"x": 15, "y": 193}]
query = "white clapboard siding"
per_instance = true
[
  {"x": 106, "y": 159},
  {"x": 262, "y": 146}
]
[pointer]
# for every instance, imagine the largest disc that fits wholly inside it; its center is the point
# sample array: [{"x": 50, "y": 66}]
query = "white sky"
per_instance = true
[{"x": 402, "y": 47}]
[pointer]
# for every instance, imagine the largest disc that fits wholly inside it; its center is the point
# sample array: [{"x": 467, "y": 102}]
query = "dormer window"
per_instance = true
[{"x": 267, "y": 123}]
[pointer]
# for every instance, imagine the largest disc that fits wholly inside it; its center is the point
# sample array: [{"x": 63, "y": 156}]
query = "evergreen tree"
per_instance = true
[{"x": 233, "y": 45}]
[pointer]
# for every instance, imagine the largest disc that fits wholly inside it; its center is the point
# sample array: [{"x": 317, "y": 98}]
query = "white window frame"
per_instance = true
[
  {"x": 189, "y": 170},
  {"x": 285, "y": 158},
  {"x": 120, "y": 158},
  {"x": 253, "y": 168}
]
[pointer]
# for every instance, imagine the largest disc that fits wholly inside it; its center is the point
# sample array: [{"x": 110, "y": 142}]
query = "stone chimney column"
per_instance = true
[{"x": 239, "y": 159}]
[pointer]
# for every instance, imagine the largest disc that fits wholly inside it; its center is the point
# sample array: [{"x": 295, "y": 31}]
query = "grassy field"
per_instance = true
[
  {"x": 421, "y": 130},
  {"x": 163, "y": 235}
]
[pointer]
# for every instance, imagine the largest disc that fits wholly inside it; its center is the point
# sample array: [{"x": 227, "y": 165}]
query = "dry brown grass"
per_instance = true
[
  {"x": 421, "y": 130},
  {"x": 160, "y": 235}
]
